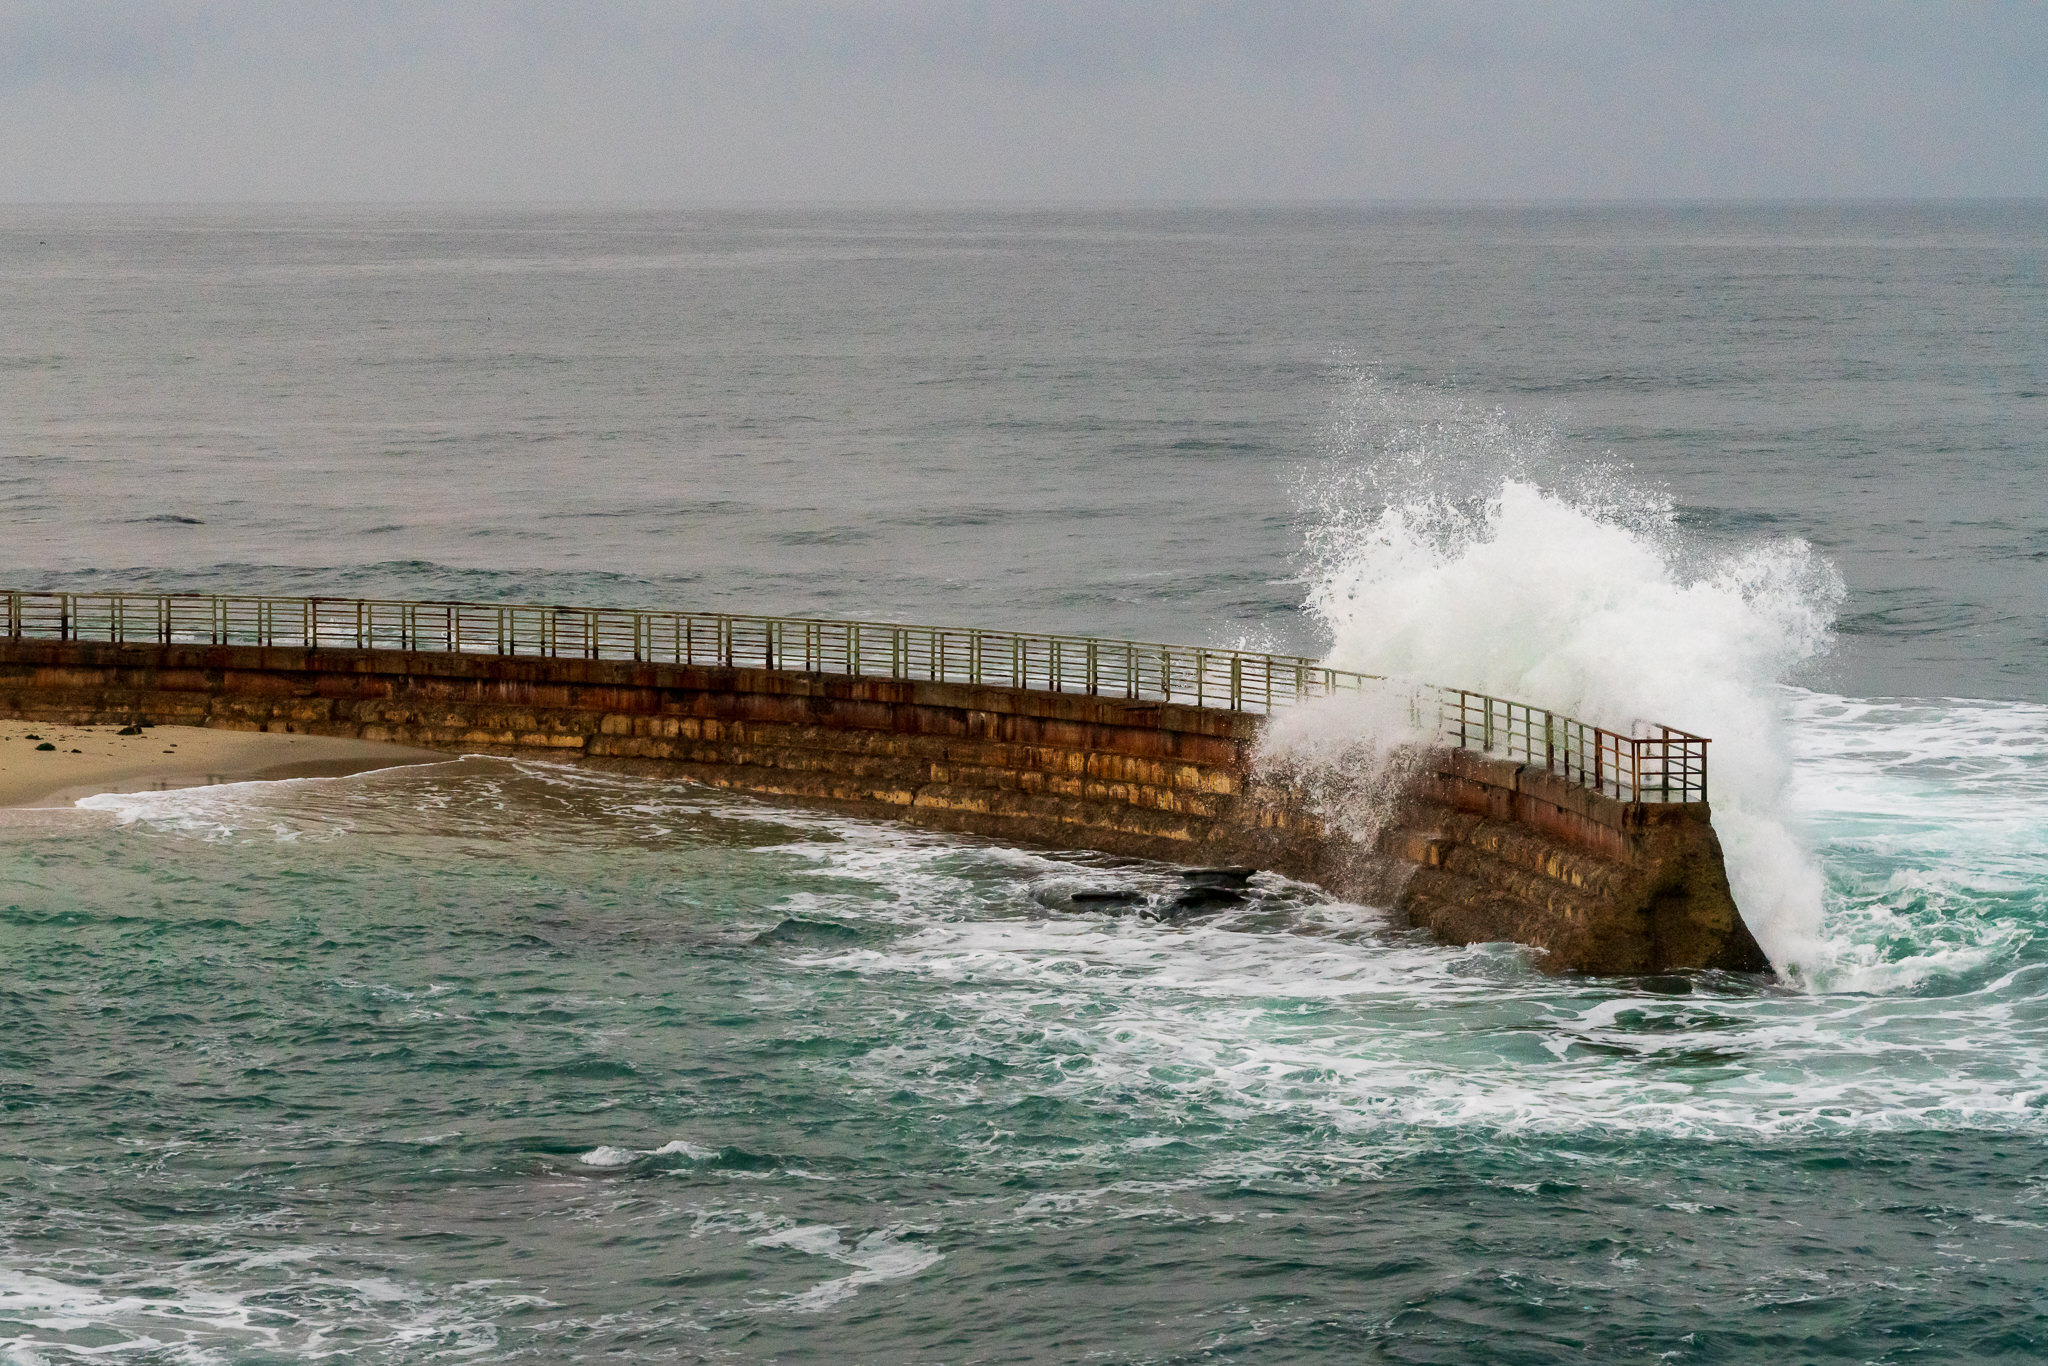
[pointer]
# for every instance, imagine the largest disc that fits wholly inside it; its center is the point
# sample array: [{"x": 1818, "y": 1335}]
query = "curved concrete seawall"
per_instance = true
[{"x": 1474, "y": 848}]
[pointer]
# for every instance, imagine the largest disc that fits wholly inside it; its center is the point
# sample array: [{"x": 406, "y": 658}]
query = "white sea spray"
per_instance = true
[
  {"x": 1347, "y": 753},
  {"x": 1459, "y": 546}
]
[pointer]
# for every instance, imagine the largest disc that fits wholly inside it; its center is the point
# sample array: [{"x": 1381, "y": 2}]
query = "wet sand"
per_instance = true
[{"x": 89, "y": 759}]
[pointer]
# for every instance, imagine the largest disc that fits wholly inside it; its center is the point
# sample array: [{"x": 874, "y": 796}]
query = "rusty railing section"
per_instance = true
[{"x": 1650, "y": 763}]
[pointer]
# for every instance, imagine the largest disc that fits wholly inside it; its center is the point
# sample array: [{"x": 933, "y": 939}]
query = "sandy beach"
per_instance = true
[{"x": 45, "y": 764}]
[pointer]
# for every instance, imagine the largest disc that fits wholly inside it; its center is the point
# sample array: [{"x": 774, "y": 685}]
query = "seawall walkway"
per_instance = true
[{"x": 1511, "y": 823}]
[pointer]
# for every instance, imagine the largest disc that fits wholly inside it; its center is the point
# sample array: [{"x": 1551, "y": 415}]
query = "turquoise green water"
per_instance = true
[{"x": 514, "y": 1061}]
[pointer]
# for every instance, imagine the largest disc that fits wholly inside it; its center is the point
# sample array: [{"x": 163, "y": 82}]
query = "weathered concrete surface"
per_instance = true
[{"x": 1477, "y": 849}]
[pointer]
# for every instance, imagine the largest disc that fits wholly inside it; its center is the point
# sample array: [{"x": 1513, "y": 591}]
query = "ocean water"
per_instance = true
[{"x": 510, "y": 1060}]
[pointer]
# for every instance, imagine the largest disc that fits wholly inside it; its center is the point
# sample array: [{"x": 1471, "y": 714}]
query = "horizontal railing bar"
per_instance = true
[{"x": 1653, "y": 763}]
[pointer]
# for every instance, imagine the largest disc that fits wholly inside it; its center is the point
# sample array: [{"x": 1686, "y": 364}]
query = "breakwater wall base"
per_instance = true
[{"x": 1475, "y": 849}]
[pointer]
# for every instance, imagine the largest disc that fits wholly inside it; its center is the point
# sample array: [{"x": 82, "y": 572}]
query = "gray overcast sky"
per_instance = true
[{"x": 924, "y": 100}]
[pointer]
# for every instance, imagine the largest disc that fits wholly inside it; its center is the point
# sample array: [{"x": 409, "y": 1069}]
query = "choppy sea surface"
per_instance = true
[{"x": 511, "y": 1060}]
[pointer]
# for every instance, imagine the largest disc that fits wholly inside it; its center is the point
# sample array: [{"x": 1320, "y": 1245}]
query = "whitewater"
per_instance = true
[
  {"x": 1457, "y": 547},
  {"x": 504, "y": 1059}
]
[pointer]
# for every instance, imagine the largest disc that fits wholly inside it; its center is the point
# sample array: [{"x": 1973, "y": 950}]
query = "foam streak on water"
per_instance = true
[{"x": 1935, "y": 818}]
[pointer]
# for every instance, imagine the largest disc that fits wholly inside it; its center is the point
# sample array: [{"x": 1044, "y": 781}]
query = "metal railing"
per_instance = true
[
  {"x": 1654, "y": 763},
  {"x": 1651, "y": 763}
]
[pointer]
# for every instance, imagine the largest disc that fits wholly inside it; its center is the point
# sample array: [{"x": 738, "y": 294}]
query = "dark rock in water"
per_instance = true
[
  {"x": 1217, "y": 877},
  {"x": 1088, "y": 900},
  {"x": 1205, "y": 897},
  {"x": 1099, "y": 898}
]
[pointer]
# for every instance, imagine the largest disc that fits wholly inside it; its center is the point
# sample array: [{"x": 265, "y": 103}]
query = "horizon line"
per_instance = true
[{"x": 1233, "y": 202}]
